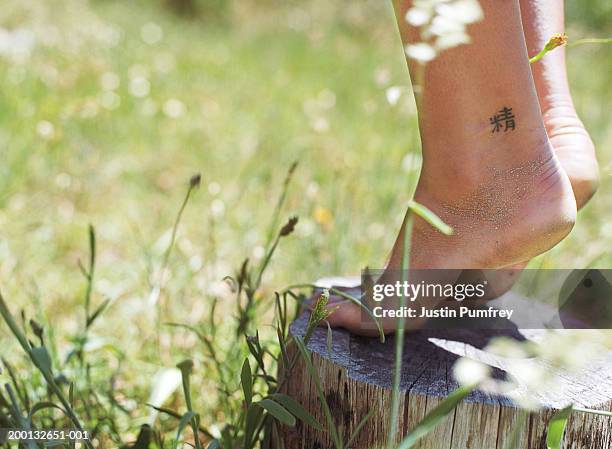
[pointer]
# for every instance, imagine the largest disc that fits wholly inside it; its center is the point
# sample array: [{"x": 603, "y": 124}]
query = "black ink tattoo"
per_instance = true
[{"x": 503, "y": 119}]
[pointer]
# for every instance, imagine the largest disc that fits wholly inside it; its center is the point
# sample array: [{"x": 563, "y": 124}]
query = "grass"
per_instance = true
[{"x": 238, "y": 100}]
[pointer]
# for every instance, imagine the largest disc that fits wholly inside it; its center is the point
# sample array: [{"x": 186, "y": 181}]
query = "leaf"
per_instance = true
[
  {"x": 556, "y": 428},
  {"x": 435, "y": 417},
  {"x": 41, "y": 357},
  {"x": 227, "y": 439},
  {"x": 41, "y": 406},
  {"x": 430, "y": 217},
  {"x": 246, "y": 379},
  {"x": 278, "y": 411},
  {"x": 164, "y": 383},
  {"x": 71, "y": 394},
  {"x": 255, "y": 349},
  {"x": 184, "y": 422},
  {"x": 296, "y": 409},
  {"x": 214, "y": 444},
  {"x": 331, "y": 425},
  {"x": 283, "y": 347},
  {"x": 253, "y": 416},
  {"x": 97, "y": 312},
  {"x": 144, "y": 437},
  {"x": 10, "y": 321}
]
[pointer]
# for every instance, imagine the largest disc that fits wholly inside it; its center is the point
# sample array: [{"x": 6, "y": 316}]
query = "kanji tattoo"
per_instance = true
[{"x": 504, "y": 119}]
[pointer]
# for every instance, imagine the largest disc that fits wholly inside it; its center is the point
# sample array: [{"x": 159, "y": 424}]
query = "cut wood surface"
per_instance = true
[{"x": 357, "y": 376}]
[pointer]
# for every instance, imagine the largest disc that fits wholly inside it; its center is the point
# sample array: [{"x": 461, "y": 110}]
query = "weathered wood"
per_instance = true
[{"x": 357, "y": 376}]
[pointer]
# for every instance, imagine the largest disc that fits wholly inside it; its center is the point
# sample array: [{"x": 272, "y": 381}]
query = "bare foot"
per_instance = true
[
  {"x": 502, "y": 189},
  {"x": 510, "y": 215}
]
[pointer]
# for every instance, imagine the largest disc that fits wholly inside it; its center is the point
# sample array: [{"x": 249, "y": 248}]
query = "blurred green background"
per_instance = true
[{"x": 108, "y": 107}]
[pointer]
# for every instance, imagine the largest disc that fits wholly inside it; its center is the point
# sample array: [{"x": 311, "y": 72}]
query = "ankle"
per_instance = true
[{"x": 514, "y": 214}]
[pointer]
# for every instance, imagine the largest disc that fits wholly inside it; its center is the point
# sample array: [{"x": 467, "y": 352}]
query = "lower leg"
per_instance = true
[
  {"x": 573, "y": 146},
  {"x": 498, "y": 184},
  {"x": 570, "y": 140},
  {"x": 489, "y": 172}
]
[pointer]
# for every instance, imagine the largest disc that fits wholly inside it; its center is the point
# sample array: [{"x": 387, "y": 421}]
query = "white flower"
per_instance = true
[
  {"x": 16, "y": 43},
  {"x": 110, "y": 100},
  {"x": 393, "y": 94},
  {"x": 412, "y": 161},
  {"x": 109, "y": 81},
  {"x": 421, "y": 52},
  {"x": 217, "y": 208},
  {"x": 441, "y": 25},
  {"x": 507, "y": 347},
  {"x": 470, "y": 372},
  {"x": 45, "y": 129},
  {"x": 418, "y": 16},
  {"x": 451, "y": 40},
  {"x": 139, "y": 87},
  {"x": 174, "y": 108},
  {"x": 151, "y": 33},
  {"x": 214, "y": 188},
  {"x": 464, "y": 11},
  {"x": 259, "y": 252}
]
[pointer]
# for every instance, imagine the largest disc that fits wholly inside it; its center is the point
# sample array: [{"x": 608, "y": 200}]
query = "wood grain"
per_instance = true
[{"x": 357, "y": 376}]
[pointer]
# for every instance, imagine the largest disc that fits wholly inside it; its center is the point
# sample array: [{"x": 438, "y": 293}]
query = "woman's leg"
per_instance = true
[
  {"x": 489, "y": 169},
  {"x": 571, "y": 142},
  {"x": 495, "y": 180}
]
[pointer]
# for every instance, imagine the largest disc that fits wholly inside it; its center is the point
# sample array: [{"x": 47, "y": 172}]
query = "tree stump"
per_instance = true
[{"x": 357, "y": 377}]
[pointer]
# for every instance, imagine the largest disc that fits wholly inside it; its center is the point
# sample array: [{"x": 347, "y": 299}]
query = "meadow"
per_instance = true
[{"x": 108, "y": 108}]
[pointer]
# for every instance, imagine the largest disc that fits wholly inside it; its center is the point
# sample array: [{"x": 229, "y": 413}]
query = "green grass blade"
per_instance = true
[
  {"x": 246, "y": 379},
  {"x": 277, "y": 410},
  {"x": 556, "y": 428},
  {"x": 331, "y": 425},
  {"x": 97, "y": 312},
  {"x": 591, "y": 40},
  {"x": 253, "y": 417},
  {"x": 430, "y": 217},
  {"x": 42, "y": 406},
  {"x": 435, "y": 417},
  {"x": 399, "y": 337},
  {"x": 296, "y": 409},
  {"x": 183, "y": 423},
  {"x": 593, "y": 412},
  {"x": 143, "y": 440},
  {"x": 42, "y": 359}
]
